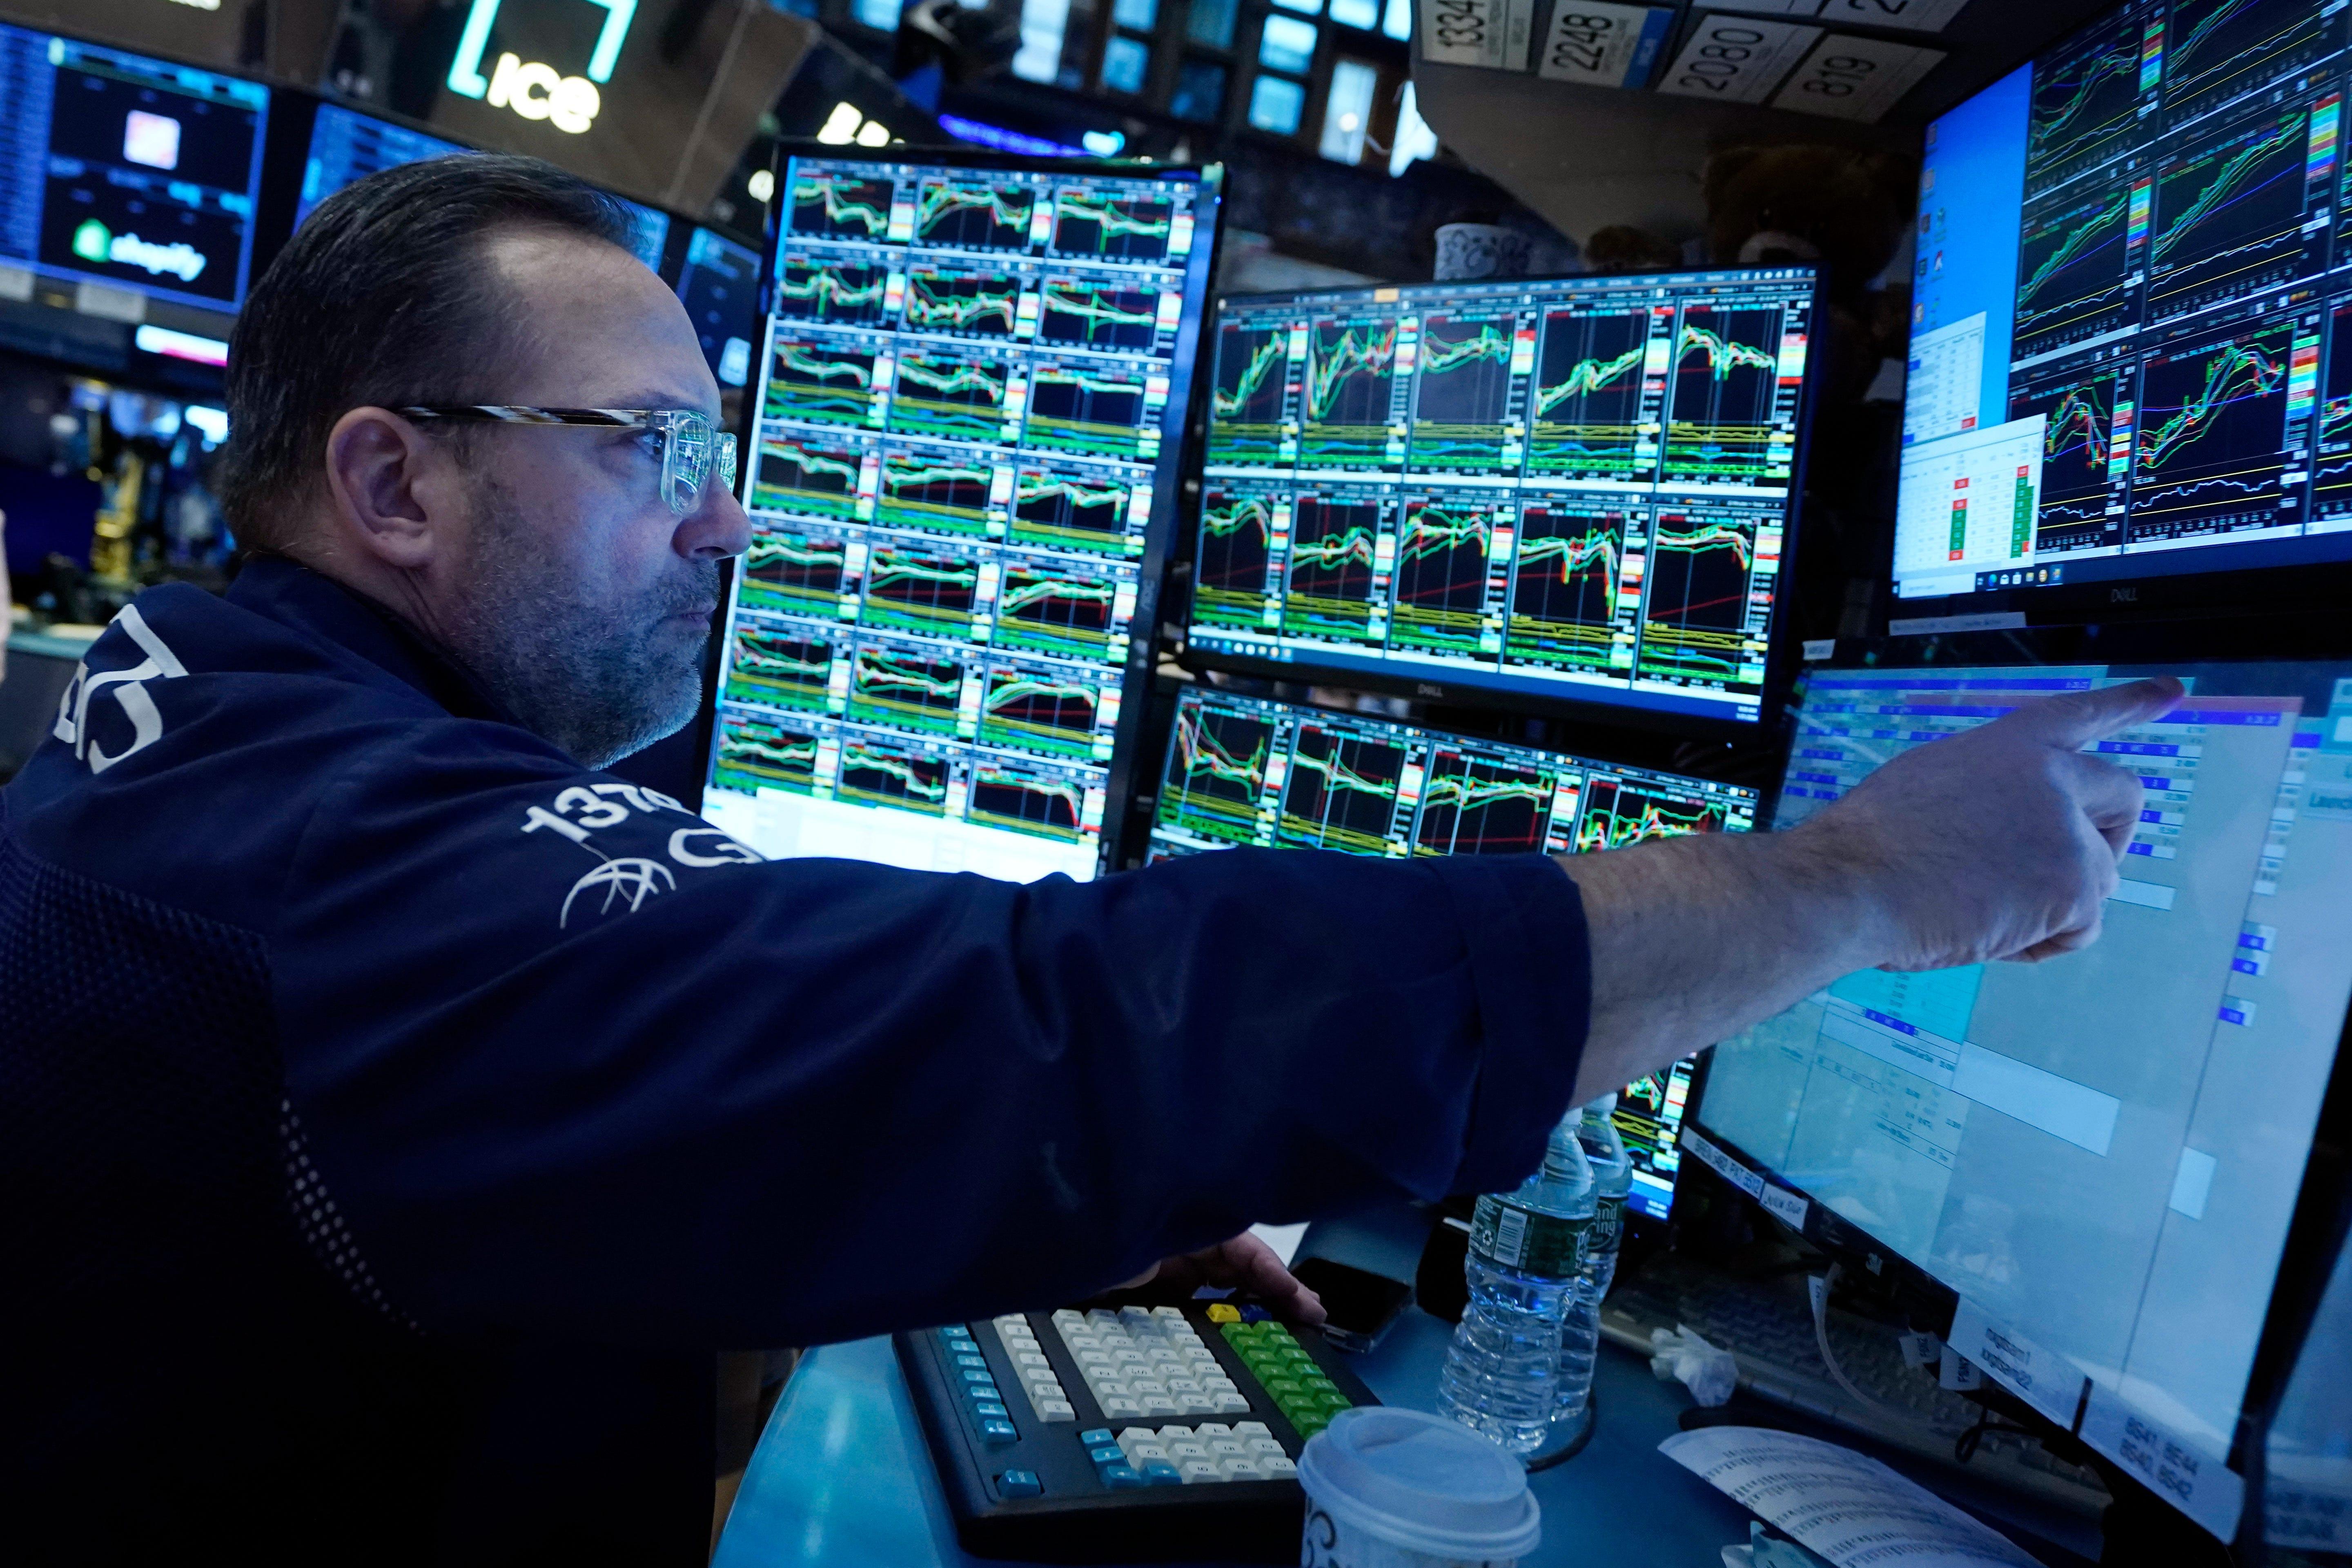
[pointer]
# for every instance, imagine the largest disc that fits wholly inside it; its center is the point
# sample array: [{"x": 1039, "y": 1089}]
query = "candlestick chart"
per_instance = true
[
  {"x": 1473, "y": 805},
  {"x": 951, "y": 398},
  {"x": 807, "y": 476},
  {"x": 2229, "y": 216},
  {"x": 1073, "y": 509},
  {"x": 794, "y": 571},
  {"x": 907, "y": 687},
  {"x": 1058, "y": 610},
  {"x": 1442, "y": 576},
  {"x": 2086, "y": 100},
  {"x": 1351, "y": 381},
  {"x": 1097, "y": 316},
  {"x": 1004, "y": 793},
  {"x": 1590, "y": 406},
  {"x": 2072, "y": 278},
  {"x": 1232, "y": 565},
  {"x": 1245, "y": 412},
  {"x": 1040, "y": 710},
  {"x": 2331, "y": 472},
  {"x": 1340, "y": 792},
  {"x": 881, "y": 772},
  {"x": 912, "y": 589},
  {"x": 1331, "y": 584},
  {"x": 778, "y": 666},
  {"x": 1618, "y": 811},
  {"x": 2079, "y": 485},
  {"x": 1092, "y": 410},
  {"x": 1216, "y": 771},
  {"x": 840, "y": 206},
  {"x": 1698, "y": 615},
  {"x": 834, "y": 294},
  {"x": 934, "y": 491},
  {"x": 1722, "y": 397},
  {"x": 1115, "y": 227},
  {"x": 2211, "y": 434},
  {"x": 947, "y": 299},
  {"x": 824, "y": 384},
  {"x": 977, "y": 215},
  {"x": 1462, "y": 395},
  {"x": 754, "y": 752},
  {"x": 1568, "y": 608}
]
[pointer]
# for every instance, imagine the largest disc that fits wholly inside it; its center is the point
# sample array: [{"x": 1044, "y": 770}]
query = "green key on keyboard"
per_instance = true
[{"x": 1307, "y": 1398}]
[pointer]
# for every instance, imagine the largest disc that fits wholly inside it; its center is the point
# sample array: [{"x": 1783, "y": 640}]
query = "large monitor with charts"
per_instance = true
[
  {"x": 966, "y": 430},
  {"x": 128, "y": 171},
  {"x": 346, "y": 145},
  {"x": 2131, "y": 350},
  {"x": 1573, "y": 491},
  {"x": 1243, "y": 770},
  {"x": 2099, "y": 1156}
]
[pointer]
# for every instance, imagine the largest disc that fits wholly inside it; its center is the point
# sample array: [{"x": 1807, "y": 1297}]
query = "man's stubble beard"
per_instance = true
[{"x": 598, "y": 680}]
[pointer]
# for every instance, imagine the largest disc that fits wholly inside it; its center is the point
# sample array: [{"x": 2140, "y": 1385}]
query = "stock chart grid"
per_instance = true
[
  {"x": 1571, "y": 490},
  {"x": 1248, "y": 770},
  {"x": 2176, "y": 367},
  {"x": 968, "y": 398}
]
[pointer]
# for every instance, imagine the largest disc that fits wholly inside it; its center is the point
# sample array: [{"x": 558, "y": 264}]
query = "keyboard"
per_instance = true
[
  {"x": 1144, "y": 1434},
  {"x": 1769, "y": 1329}
]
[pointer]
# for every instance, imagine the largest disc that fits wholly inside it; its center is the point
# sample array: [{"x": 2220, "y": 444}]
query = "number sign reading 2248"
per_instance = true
[
  {"x": 1737, "y": 59},
  {"x": 1604, "y": 45}
]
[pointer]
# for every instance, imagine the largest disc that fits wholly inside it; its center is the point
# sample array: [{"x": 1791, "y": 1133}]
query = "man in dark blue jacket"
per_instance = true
[{"x": 396, "y": 1110}]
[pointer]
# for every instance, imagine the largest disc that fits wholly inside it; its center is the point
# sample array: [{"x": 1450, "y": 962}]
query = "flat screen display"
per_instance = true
[
  {"x": 2131, "y": 350},
  {"x": 1566, "y": 492},
  {"x": 346, "y": 145},
  {"x": 970, "y": 403},
  {"x": 2100, "y": 1154},
  {"x": 126, "y": 171},
  {"x": 1248, "y": 769},
  {"x": 719, "y": 285}
]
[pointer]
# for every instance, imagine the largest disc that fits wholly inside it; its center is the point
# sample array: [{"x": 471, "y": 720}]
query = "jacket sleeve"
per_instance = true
[{"x": 566, "y": 1060}]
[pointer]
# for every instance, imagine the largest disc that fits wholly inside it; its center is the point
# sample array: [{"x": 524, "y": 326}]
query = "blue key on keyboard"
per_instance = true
[{"x": 1019, "y": 1483}]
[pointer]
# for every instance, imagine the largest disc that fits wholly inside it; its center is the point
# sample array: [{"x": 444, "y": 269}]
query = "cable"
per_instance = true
[{"x": 1817, "y": 1287}]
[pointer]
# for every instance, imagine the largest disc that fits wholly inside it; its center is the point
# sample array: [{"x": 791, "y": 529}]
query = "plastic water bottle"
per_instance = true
[
  {"x": 1526, "y": 1254},
  {"x": 1580, "y": 1333}
]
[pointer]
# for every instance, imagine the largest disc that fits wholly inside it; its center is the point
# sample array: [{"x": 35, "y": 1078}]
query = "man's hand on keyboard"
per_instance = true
[{"x": 1246, "y": 1264}]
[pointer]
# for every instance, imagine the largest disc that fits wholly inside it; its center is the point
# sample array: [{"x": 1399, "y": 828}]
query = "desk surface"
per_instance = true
[{"x": 841, "y": 1475}]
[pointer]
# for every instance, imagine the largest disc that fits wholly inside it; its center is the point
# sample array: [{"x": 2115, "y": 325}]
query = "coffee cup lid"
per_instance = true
[{"x": 1422, "y": 1481}]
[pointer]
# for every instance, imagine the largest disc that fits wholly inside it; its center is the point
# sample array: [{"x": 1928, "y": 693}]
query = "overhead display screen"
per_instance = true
[
  {"x": 2129, "y": 354},
  {"x": 127, "y": 171},
  {"x": 1575, "y": 491},
  {"x": 970, "y": 406}
]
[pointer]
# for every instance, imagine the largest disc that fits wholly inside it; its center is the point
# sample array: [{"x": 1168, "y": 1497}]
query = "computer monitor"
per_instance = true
[
  {"x": 2131, "y": 350},
  {"x": 2099, "y": 1156},
  {"x": 719, "y": 285},
  {"x": 967, "y": 431},
  {"x": 346, "y": 145},
  {"x": 128, "y": 171},
  {"x": 1251, "y": 770},
  {"x": 1518, "y": 492}
]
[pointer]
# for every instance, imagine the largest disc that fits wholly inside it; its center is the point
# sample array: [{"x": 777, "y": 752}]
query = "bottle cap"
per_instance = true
[{"x": 1418, "y": 1481}]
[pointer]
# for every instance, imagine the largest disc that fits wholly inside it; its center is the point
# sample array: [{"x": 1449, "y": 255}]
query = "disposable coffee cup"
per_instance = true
[{"x": 1399, "y": 1489}]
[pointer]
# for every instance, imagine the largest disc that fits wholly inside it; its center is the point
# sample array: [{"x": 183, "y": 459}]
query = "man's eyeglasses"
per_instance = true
[{"x": 689, "y": 440}]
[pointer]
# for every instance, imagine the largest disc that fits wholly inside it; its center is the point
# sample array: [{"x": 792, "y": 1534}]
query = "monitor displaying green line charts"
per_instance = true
[
  {"x": 1575, "y": 491},
  {"x": 967, "y": 418}
]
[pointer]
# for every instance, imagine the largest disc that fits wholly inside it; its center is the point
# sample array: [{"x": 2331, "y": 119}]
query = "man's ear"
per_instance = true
[{"x": 389, "y": 487}]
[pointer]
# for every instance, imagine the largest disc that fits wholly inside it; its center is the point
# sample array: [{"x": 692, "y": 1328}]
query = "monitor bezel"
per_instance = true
[
  {"x": 2317, "y": 1223},
  {"x": 1168, "y": 495},
  {"x": 1781, "y": 652}
]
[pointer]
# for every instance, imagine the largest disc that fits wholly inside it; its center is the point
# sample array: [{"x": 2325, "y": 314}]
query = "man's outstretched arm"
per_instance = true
[{"x": 2000, "y": 843}]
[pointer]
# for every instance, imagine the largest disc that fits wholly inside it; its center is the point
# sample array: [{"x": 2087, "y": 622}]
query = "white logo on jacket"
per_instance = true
[{"x": 129, "y": 690}]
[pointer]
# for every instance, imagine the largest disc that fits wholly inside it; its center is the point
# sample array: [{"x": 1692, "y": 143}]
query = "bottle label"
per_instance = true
[
  {"x": 1608, "y": 1226},
  {"x": 1539, "y": 1243}
]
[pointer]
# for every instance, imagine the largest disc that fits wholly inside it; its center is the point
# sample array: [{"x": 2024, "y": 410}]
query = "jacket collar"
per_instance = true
[{"x": 314, "y": 606}]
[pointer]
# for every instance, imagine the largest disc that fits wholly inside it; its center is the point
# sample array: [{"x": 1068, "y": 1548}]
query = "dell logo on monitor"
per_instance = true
[{"x": 534, "y": 91}]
